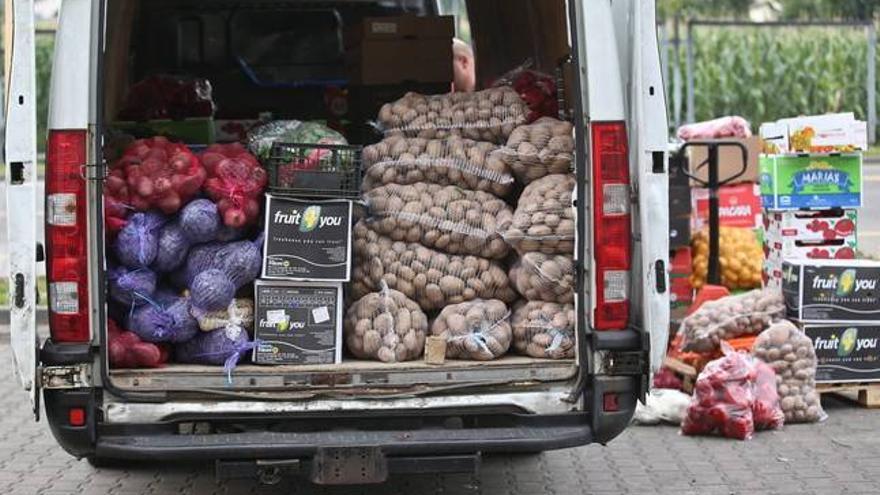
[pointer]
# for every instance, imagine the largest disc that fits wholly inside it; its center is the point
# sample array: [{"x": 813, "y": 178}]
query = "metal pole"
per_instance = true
[
  {"x": 690, "y": 74},
  {"x": 872, "y": 84}
]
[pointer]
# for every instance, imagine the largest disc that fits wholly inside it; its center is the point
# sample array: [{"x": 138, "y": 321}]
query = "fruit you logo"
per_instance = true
[
  {"x": 821, "y": 174},
  {"x": 308, "y": 220},
  {"x": 844, "y": 345},
  {"x": 282, "y": 326},
  {"x": 847, "y": 283}
]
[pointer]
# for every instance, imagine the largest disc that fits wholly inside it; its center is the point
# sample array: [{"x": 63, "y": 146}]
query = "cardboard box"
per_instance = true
[
  {"x": 297, "y": 323},
  {"x": 845, "y": 353},
  {"x": 808, "y": 226},
  {"x": 838, "y": 291},
  {"x": 791, "y": 182},
  {"x": 730, "y": 160},
  {"x": 307, "y": 240},
  {"x": 838, "y": 132},
  {"x": 738, "y": 206},
  {"x": 395, "y": 50}
]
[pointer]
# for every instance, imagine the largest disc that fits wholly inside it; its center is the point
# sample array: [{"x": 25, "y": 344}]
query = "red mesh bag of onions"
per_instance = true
[
  {"x": 155, "y": 173},
  {"x": 235, "y": 182}
]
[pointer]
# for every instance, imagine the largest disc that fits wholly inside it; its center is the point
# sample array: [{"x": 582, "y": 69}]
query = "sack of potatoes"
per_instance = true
[
  {"x": 544, "y": 217},
  {"x": 489, "y": 115},
  {"x": 429, "y": 277},
  {"x": 730, "y": 317},
  {"x": 544, "y": 329},
  {"x": 448, "y": 218},
  {"x": 387, "y": 326},
  {"x": 452, "y": 161},
  {"x": 545, "y": 147},
  {"x": 790, "y": 353},
  {"x": 544, "y": 277},
  {"x": 477, "y": 329}
]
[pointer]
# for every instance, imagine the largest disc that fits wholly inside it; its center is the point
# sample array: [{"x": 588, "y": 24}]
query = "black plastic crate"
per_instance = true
[{"x": 315, "y": 170}]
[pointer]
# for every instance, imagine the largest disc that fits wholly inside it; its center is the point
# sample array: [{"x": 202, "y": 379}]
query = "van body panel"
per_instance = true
[{"x": 69, "y": 93}]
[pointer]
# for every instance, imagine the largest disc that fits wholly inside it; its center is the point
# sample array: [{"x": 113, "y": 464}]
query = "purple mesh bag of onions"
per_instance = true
[
  {"x": 226, "y": 346},
  {"x": 240, "y": 261},
  {"x": 200, "y": 221},
  {"x": 172, "y": 322},
  {"x": 131, "y": 287},
  {"x": 173, "y": 248},
  {"x": 211, "y": 290},
  {"x": 138, "y": 242}
]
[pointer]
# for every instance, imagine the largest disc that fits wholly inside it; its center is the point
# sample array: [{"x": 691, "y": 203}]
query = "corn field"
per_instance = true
[{"x": 764, "y": 74}]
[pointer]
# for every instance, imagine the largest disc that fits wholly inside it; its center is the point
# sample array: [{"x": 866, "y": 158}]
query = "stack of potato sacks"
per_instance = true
[{"x": 433, "y": 253}]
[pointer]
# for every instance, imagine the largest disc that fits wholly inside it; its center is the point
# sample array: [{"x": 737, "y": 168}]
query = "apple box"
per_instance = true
[{"x": 814, "y": 225}]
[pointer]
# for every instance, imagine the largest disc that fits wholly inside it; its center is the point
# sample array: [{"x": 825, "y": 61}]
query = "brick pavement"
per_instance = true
[{"x": 839, "y": 456}]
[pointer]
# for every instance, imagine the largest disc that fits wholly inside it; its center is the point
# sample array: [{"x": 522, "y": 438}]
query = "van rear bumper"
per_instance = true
[{"x": 521, "y": 434}]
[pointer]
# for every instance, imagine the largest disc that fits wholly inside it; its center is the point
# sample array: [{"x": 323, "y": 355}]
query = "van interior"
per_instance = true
[{"x": 278, "y": 60}]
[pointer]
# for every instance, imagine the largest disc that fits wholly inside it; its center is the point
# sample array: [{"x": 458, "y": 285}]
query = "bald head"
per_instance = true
[{"x": 464, "y": 66}]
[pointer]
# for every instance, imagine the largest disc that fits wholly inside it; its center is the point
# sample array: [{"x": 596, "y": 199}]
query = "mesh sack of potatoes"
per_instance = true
[
  {"x": 452, "y": 161},
  {"x": 240, "y": 313},
  {"x": 544, "y": 329},
  {"x": 544, "y": 277},
  {"x": 544, "y": 217},
  {"x": 730, "y": 317},
  {"x": 545, "y": 147},
  {"x": 387, "y": 326},
  {"x": 448, "y": 218},
  {"x": 489, "y": 115},
  {"x": 431, "y": 278},
  {"x": 478, "y": 329},
  {"x": 791, "y": 354}
]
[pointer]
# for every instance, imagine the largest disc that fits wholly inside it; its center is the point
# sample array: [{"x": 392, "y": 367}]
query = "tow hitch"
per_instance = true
[{"x": 344, "y": 466}]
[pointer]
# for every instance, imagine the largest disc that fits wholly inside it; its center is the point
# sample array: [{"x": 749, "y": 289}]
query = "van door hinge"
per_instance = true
[
  {"x": 622, "y": 362},
  {"x": 75, "y": 376}
]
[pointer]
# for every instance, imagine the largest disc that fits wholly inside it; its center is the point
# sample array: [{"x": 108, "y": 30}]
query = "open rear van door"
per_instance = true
[{"x": 20, "y": 156}]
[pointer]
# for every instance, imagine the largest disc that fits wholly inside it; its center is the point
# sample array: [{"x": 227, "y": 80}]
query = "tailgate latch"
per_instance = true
[{"x": 61, "y": 377}]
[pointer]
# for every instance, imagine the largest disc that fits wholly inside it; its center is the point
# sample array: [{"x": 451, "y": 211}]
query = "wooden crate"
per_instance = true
[{"x": 864, "y": 394}]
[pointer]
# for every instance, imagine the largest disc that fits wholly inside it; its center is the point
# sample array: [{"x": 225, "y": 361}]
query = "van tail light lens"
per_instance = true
[
  {"x": 66, "y": 236},
  {"x": 611, "y": 225}
]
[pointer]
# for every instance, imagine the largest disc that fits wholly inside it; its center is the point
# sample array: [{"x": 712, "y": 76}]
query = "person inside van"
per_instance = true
[{"x": 464, "y": 66}]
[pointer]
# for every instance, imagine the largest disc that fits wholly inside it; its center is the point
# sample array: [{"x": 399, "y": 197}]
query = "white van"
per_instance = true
[{"x": 357, "y": 421}]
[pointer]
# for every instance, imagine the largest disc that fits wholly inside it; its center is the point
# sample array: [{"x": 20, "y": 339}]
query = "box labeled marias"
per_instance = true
[
  {"x": 838, "y": 291},
  {"x": 791, "y": 182},
  {"x": 307, "y": 240},
  {"x": 845, "y": 353}
]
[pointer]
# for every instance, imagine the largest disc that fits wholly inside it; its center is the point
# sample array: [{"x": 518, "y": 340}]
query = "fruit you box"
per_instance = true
[
  {"x": 792, "y": 182},
  {"x": 845, "y": 353},
  {"x": 835, "y": 291}
]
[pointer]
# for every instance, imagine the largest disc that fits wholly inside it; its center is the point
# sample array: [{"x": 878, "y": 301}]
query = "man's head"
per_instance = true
[{"x": 464, "y": 66}]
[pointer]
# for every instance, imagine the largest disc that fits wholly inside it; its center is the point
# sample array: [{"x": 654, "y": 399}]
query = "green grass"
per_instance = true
[
  {"x": 873, "y": 151},
  {"x": 4, "y": 291}
]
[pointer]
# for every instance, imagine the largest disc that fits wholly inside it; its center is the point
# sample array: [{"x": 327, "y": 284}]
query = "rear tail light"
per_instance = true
[
  {"x": 66, "y": 241},
  {"x": 611, "y": 224}
]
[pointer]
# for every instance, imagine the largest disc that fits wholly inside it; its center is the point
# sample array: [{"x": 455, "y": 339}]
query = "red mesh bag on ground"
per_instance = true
[
  {"x": 155, "y": 173},
  {"x": 236, "y": 182},
  {"x": 733, "y": 395}
]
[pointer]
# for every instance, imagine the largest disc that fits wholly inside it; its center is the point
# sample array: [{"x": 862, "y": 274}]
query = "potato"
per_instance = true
[
  {"x": 544, "y": 277},
  {"x": 477, "y": 329},
  {"x": 387, "y": 326},
  {"x": 730, "y": 317},
  {"x": 791, "y": 354},
  {"x": 544, "y": 217},
  {"x": 544, "y": 330},
  {"x": 437, "y": 279},
  {"x": 452, "y": 161},
  {"x": 542, "y": 148},
  {"x": 447, "y": 218},
  {"x": 489, "y": 115}
]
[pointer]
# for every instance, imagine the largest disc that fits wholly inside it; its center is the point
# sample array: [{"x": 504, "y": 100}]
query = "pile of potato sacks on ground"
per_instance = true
[{"x": 468, "y": 232}]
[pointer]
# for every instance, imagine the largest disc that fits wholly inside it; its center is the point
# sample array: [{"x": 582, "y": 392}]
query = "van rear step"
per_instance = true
[
  {"x": 345, "y": 466},
  {"x": 534, "y": 433}
]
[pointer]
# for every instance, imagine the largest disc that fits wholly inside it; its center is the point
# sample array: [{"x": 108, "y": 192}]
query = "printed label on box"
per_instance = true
[
  {"x": 832, "y": 291},
  {"x": 846, "y": 353}
]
